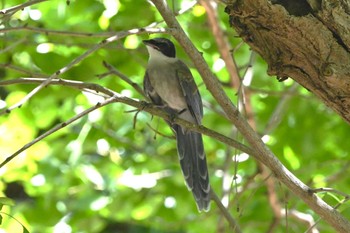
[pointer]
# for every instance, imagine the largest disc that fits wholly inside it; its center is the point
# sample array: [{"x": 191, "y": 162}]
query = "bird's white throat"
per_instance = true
[{"x": 156, "y": 56}]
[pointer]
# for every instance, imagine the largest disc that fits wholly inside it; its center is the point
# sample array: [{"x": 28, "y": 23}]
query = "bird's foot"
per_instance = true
[
  {"x": 144, "y": 105},
  {"x": 174, "y": 114}
]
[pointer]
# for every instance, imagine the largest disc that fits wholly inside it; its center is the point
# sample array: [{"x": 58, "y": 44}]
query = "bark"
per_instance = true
[{"x": 308, "y": 41}]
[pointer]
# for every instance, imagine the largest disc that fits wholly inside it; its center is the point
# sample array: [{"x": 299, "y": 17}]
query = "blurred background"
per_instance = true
[{"x": 111, "y": 172}]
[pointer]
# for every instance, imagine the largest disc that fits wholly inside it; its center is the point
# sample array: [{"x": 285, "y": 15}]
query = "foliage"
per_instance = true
[{"x": 102, "y": 174}]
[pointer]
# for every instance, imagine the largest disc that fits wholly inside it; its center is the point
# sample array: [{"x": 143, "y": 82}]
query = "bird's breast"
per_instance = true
[{"x": 165, "y": 82}]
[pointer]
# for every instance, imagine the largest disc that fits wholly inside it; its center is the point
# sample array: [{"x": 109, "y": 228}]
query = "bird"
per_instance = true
[{"x": 168, "y": 83}]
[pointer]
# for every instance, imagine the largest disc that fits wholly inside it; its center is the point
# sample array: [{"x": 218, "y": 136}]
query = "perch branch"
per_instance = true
[{"x": 137, "y": 104}]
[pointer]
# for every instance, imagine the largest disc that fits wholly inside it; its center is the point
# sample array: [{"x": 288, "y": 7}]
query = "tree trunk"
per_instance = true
[{"x": 308, "y": 41}]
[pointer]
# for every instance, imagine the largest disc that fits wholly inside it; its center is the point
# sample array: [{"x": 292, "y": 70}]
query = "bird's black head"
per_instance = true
[{"x": 163, "y": 45}]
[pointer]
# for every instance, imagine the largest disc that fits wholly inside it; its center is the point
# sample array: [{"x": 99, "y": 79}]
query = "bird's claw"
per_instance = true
[
  {"x": 144, "y": 105},
  {"x": 174, "y": 114},
  {"x": 172, "y": 117}
]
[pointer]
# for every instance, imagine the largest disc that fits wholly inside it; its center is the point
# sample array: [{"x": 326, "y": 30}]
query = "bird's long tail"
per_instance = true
[{"x": 194, "y": 165}]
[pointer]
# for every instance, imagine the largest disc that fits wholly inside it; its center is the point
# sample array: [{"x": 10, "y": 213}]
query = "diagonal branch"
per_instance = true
[
  {"x": 262, "y": 152},
  {"x": 113, "y": 70},
  {"x": 222, "y": 208}
]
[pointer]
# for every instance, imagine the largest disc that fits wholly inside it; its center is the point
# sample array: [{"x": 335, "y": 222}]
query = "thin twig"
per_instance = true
[
  {"x": 13, "y": 45},
  {"x": 225, "y": 212},
  {"x": 347, "y": 198},
  {"x": 124, "y": 140},
  {"x": 19, "y": 7},
  {"x": 160, "y": 133},
  {"x": 125, "y": 78},
  {"x": 330, "y": 190}
]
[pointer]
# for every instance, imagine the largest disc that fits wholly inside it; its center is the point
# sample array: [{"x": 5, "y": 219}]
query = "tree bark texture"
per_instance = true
[{"x": 306, "y": 40}]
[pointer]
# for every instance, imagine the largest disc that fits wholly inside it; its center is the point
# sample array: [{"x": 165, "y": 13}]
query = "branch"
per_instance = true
[
  {"x": 331, "y": 190},
  {"x": 261, "y": 152},
  {"x": 141, "y": 105},
  {"x": 225, "y": 212},
  {"x": 84, "y": 86},
  {"x": 113, "y": 70},
  {"x": 19, "y": 7}
]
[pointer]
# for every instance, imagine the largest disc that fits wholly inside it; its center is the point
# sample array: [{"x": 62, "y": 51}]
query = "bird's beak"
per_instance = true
[{"x": 150, "y": 43}]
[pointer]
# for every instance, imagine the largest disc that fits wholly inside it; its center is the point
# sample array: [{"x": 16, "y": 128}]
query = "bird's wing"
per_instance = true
[
  {"x": 150, "y": 92},
  {"x": 190, "y": 91}
]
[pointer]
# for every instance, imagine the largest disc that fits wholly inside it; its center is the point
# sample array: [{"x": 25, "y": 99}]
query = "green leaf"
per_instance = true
[{"x": 6, "y": 201}]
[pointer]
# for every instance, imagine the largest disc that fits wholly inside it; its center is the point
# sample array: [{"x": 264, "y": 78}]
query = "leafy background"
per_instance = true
[{"x": 102, "y": 174}]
